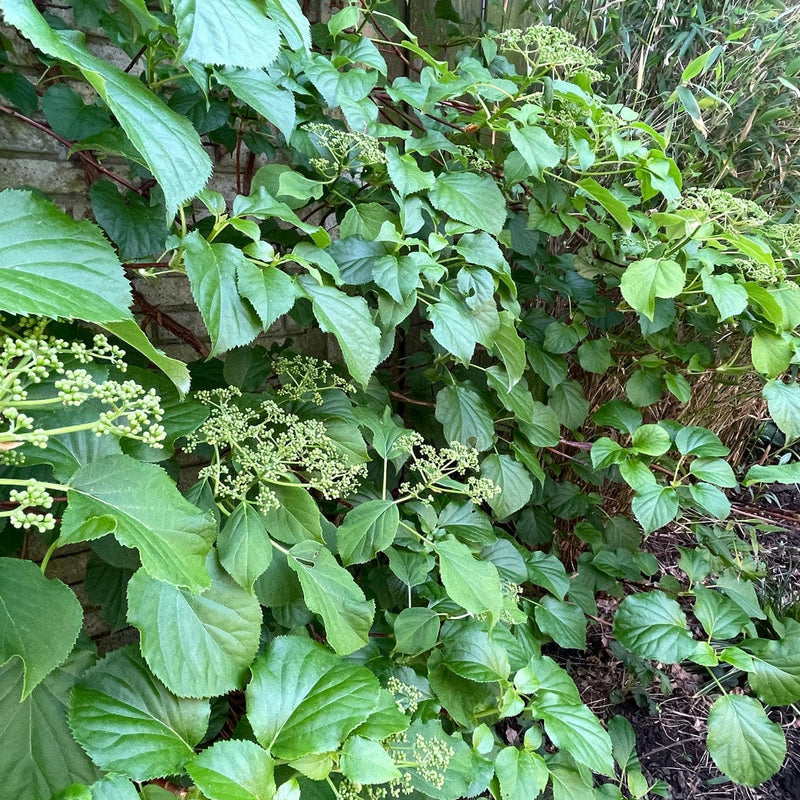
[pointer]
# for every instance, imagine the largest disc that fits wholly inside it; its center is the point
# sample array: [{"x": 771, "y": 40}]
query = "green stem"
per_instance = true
[
  {"x": 46, "y": 559},
  {"x": 56, "y": 487}
]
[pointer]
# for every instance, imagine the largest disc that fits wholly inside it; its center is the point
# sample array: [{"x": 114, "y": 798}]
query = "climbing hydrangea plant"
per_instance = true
[{"x": 366, "y": 593}]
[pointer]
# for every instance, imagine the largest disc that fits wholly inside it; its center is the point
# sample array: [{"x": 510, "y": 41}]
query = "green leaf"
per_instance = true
[
  {"x": 166, "y": 141},
  {"x": 595, "y": 356},
  {"x": 701, "y": 442},
  {"x": 470, "y": 198},
  {"x": 142, "y": 507},
  {"x": 259, "y": 91},
  {"x": 652, "y": 440},
  {"x": 655, "y": 506},
  {"x": 536, "y": 147},
  {"x": 70, "y": 117},
  {"x": 296, "y": 519},
  {"x": 453, "y": 328},
  {"x": 465, "y": 416},
  {"x": 569, "y": 403},
  {"x": 19, "y": 91},
  {"x": 510, "y": 347},
  {"x": 131, "y": 333},
  {"x": 606, "y": 199},
  {"x": 720, "y": 617},
  {"x": 564, "y": 623},
  {"x": 303, "y": 699},
  {"x": 53, "y": 266},
  {"x": 652, "y": 626},
  {"x": 330, "y": 591},
  {"x": 224, "y": 33},
  {"x": 777, "y": 473},
  {"x": 40, "y": 756},
  {"x": 212, "y": 271},
  {"x": 710, "y": 499},
  {"x": 522, "y": 774},
  {"x": 198, "y": 645},
  {"x": 714, "y": 470},
  {"x": 771, "y": 353},
  {"x": 743, "y": 742},
  {"x": 649, "y": 278},
  {"x": 575, "y": 729},
  {"x": 237, "y": 769},
  {"x": 131, "y": 221},
  {"x": 244, "y": 546},
  {"x": 154, "y": 732},
  {"x": 514, "y": 481},
  {"x": 405, "y": 173},
  {"x": 40, "y": 619},
  {"x": 783, "y": 403},
  {"x": 545, "y": 429},
  {"x": 367, "y": 529},
  {"x": 775, "y": 675},
  {"x": 606, "y": 452},
  {"x": 729, "y": 297},
  {"x": 365, "y": 761},
  {"x": 269, "y": 290},
  {"x": 547, "y": 571},
  {"x": 349, "y": 320},
  {"x": 293, "y": 24},
  {"x": 473, "y": 584},
  {"x": 416, "y": 630},
  {"x": 473, "y": 654}
]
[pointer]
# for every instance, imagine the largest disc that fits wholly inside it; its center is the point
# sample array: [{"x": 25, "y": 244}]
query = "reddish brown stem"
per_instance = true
[
  {"x": 88, "y": 160},
  {"x": 170, "y": 324}
]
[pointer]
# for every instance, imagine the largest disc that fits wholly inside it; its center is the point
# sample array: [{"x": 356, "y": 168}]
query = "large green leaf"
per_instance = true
[
  {"x": 742, "y": 740},
  {"x": 226, "y": 32},
  {"x": 536, "y": 147},
  {"x": 198, "y": 645},
  {"x": 259, "y": 91},
  {"x": 39, "y": 755},
  {"x": 465, "y": 416},
  {"x": 367, "y": 529},
  {"x": 775, "y": 677},
  {"x": 562, "y": 622},
  {"x": 654, "y": 506},
  {"x": 365, "y": 761},
  {"x": 212, "y": 270},
  {"x": 143, "y": 508},
  {"x": 575, "y": 729},
  {"x": 773, "y": 473},
  {"x": 128, "y": 722},
  {"x": 513, "y": 479},
  {"x": 166, "y": 141},
  {"x": 470, "y": 198},
  {"x": 303, "y": 699},
  {"x": 416, "y": 630},
  {"x": 53, "y": 266},
  {"x": 472, "y": 653},
  {"x": 473, "y": 584},
  {"x": 330, "y": 591},
  {"x": 649, "y": 278},
  {"x": 652, "y": 626},
  {"x": 296, "y": 519},
  {"x": 783, "y": 402},
  {"x": 349, "y": 320},
  {"x": 270, "y": 291},
  {"x": 522, "y": 774},
  {"x": 40, "y": 620},
  {"x": 234, "y": 770},
  {"x": 606, "y": 199},
  {"x": 244, "y": 546}
]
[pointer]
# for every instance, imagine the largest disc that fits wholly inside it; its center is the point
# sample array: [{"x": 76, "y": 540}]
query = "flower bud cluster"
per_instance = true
[
  {"x": 406, "y": 696},
  {"x": 430, "y": 756},
  {"x": 262, "y": 445},
  {"x": 30, "y": 358},
  {"x": 555, "y": 48},
  {"x": 436, "y": 466},
  {"x": 33, "y": 495},
  {"x": 345, "y": 147},
  {"x": 305, "y": 378},
  {"x": 726, "y": 209}
]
